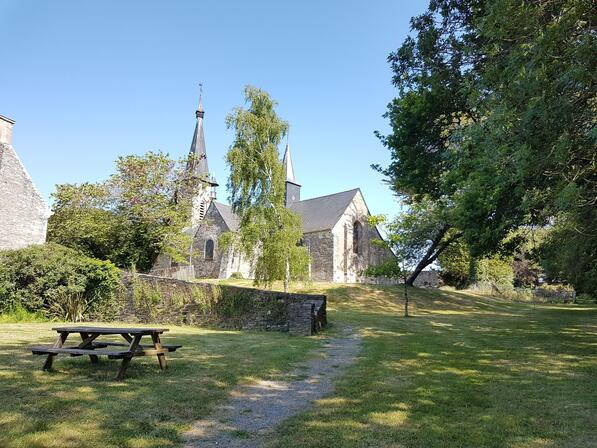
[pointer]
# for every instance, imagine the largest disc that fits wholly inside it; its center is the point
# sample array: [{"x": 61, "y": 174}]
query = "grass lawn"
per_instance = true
[
  {"x": 79, "y": 405},
  {"x": 464, "y": 372}
]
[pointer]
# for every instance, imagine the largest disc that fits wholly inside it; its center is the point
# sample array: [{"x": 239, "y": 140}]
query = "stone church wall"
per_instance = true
[
  {"x": 349, "y": 265},
  {"x": 210, "y": 228},
  {"x": 221, "y": 306},
  {"x": 321, "y": 249},
  {"x": 23, "y": 212}
]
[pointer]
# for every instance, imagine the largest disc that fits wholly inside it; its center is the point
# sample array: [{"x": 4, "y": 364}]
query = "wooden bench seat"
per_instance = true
[
  {"x": 74, "y": 351},
  {"x": 170, "y": 347},
  {"x": 47, "y": 349}
]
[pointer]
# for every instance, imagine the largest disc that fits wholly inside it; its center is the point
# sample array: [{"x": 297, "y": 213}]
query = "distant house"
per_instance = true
[
  {"x": 23, "y": 212},
  {"x": 336, "y": 228}
]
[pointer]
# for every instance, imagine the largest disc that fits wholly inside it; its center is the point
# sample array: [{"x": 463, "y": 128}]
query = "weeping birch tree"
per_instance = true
[{"x": 269, "y": 233}]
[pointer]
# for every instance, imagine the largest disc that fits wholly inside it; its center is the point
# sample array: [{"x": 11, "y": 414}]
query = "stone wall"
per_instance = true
[
  {"x": 321, "y": 249},
  {"x": 23, "y": 212},
  {"x": 349, "y": 265},
  {"x": 153, "y": 299}
]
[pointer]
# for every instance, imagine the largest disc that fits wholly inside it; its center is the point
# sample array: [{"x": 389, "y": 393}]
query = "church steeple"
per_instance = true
[
  {"x": 293, "y": 188},
  {"x": 198, "y": 154},
  {"x": 287, "y": 162},
  {"x": 198, "y": 168}
]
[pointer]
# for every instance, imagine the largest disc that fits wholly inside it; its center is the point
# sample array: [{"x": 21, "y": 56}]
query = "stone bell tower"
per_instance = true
[{"x": 197, "y": 166}]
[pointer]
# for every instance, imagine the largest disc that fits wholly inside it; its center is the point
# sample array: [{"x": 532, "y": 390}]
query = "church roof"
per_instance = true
[
  {"x": 229, "y": 217},
  {"x": 323, "y": 213},
  {"x": 320, "y": 213}
]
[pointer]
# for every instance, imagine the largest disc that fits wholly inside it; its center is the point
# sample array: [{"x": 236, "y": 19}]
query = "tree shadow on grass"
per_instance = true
[
  {"x": 503, "y": 379},
  {"x": 79, "y": 404}
]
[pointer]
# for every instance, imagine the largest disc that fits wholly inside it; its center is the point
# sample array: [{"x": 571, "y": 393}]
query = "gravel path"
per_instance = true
[{"x": 255, "y": 410}]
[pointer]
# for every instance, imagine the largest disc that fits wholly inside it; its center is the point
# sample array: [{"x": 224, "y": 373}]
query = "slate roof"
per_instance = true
[
  {"x": 320, "y": 213},
  {"x": 323, "y": 213},
  {"x": 230, "y": 218}
]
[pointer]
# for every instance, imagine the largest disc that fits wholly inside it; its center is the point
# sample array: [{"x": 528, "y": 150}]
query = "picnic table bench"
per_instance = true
[{"x": 115, "y": 350}]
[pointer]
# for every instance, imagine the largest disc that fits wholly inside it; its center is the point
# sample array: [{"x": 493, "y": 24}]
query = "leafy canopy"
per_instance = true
[
  {"x": 268, "y": 232},
  {"x": 130, "y": 218}
]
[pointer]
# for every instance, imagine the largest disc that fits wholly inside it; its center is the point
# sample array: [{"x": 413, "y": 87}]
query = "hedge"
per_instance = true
[{"x": 59, "y": 282}]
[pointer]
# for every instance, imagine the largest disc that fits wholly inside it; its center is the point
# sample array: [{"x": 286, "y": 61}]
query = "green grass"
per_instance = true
[
  {"x": 465, "y": 371},
  {"x": 79, "y": 405}
]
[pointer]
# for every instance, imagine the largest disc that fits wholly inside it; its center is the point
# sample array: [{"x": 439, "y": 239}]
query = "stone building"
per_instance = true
[
  {"x": 23, "y": 211},
  {"x": 336, "y": 229}
]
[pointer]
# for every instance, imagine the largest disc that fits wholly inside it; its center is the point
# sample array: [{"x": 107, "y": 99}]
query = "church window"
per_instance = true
[
  {"x": 357, "y": 234},
  {"x": 209, "y": 250}
]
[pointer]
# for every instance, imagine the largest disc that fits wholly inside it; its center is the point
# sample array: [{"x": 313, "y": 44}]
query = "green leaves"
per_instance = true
[
  {"x": 496, "y": 116},
  {"x": 139, "y": 212},
  {"x": 269, "y": 233}
]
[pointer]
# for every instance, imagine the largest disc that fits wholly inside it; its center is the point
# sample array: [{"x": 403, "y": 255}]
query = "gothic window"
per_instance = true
[
  {"x": 209, "y": 250},
  {"x": 357, "y": 234}
]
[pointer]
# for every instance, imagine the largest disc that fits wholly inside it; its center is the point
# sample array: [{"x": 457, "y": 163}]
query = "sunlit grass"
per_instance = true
[
  {"x": 79, "y": 404},
  {"x": 465, "y": 371}
]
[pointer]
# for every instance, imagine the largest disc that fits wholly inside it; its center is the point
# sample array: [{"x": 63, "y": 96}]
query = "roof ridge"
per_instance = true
[{"x": 328, "y": 195}]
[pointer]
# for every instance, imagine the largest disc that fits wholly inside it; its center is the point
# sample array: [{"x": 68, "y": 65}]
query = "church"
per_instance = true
[{"x": 336, "y": 229}]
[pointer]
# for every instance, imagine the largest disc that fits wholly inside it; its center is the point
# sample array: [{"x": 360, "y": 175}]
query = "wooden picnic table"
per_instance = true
[{"x": 116, "y": 350}]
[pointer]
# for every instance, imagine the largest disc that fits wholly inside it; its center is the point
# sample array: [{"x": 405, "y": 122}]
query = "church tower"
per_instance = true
[
  {"x": 197, "y": 166},
  {"x": 293, "y": 188}
]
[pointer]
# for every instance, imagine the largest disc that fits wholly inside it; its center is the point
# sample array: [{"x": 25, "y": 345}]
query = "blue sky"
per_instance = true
[{"x": 88, "y": 81}]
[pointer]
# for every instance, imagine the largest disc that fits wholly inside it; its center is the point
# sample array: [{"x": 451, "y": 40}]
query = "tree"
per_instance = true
[
  {"x": 268, "y": 232},
  {"x": 495, "y": 119},
  {"x": 130, "y": 218},
  {"x": 455, "y": 264},
  {"x": 420, "y": 234}
]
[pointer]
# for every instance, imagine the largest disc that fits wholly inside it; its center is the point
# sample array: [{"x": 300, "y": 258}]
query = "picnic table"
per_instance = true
[{"x": 90, "y": 346}]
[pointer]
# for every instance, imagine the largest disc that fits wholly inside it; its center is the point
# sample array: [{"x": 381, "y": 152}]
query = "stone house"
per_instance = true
[
  {"x": 336, "y": 228},
  {"x": 23, "y": 212}
]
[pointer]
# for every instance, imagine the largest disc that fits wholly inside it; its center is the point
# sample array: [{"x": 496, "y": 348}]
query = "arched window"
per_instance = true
[
  {"x": 357, "y": 234},
  {"x": 209, "y": 250}
]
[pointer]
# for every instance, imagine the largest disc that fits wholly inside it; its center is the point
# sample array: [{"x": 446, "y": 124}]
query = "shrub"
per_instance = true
[
  {"x": 50, "y": 278},
  {"x": 496, "y": 272},
  {"x": 236, "y": 276}
]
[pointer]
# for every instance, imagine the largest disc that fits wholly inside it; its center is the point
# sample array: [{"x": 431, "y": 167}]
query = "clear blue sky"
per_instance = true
[{"x": 88, "y": 81}]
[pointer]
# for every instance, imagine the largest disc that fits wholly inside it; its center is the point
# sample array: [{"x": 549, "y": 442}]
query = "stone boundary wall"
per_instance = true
[{"x": 149, "y": 298}]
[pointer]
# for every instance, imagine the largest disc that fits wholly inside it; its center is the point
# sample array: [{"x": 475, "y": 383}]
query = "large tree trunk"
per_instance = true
[{"x": 438, "y": 245}]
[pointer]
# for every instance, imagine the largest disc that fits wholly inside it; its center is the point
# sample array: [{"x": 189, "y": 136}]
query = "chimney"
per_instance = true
[{"x": 6, "y": 130}]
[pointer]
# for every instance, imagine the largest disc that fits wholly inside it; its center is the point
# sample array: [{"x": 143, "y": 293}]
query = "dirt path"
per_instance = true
[{"x": 255, "y": 410}]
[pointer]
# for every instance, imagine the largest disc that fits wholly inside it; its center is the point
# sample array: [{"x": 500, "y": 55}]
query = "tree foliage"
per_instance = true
[
  {"x": 495, "y": 117},
  {"x": 46, "y": 278},
  {"x": 268, "y": 232},
  {"x": 130, "y": 218}
]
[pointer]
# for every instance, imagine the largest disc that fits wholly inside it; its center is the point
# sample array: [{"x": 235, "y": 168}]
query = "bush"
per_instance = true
[
  {"x": 58, "y": 281},
  {"x": 496, "y": 272},
  {"x": 236, "y": 276}
]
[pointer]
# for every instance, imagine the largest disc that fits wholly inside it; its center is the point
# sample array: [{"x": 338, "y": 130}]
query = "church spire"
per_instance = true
[
  {"x": 287, "y": 162},
  {"x": 198, "y": 154},
  {"x": 293, "y": 188}
]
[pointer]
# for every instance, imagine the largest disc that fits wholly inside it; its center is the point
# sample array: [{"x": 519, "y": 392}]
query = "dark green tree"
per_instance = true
[{"x": 495, "y": 117}]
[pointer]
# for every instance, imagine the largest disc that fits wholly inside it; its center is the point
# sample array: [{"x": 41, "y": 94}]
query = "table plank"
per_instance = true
[{"x": 109, "y": 330}]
